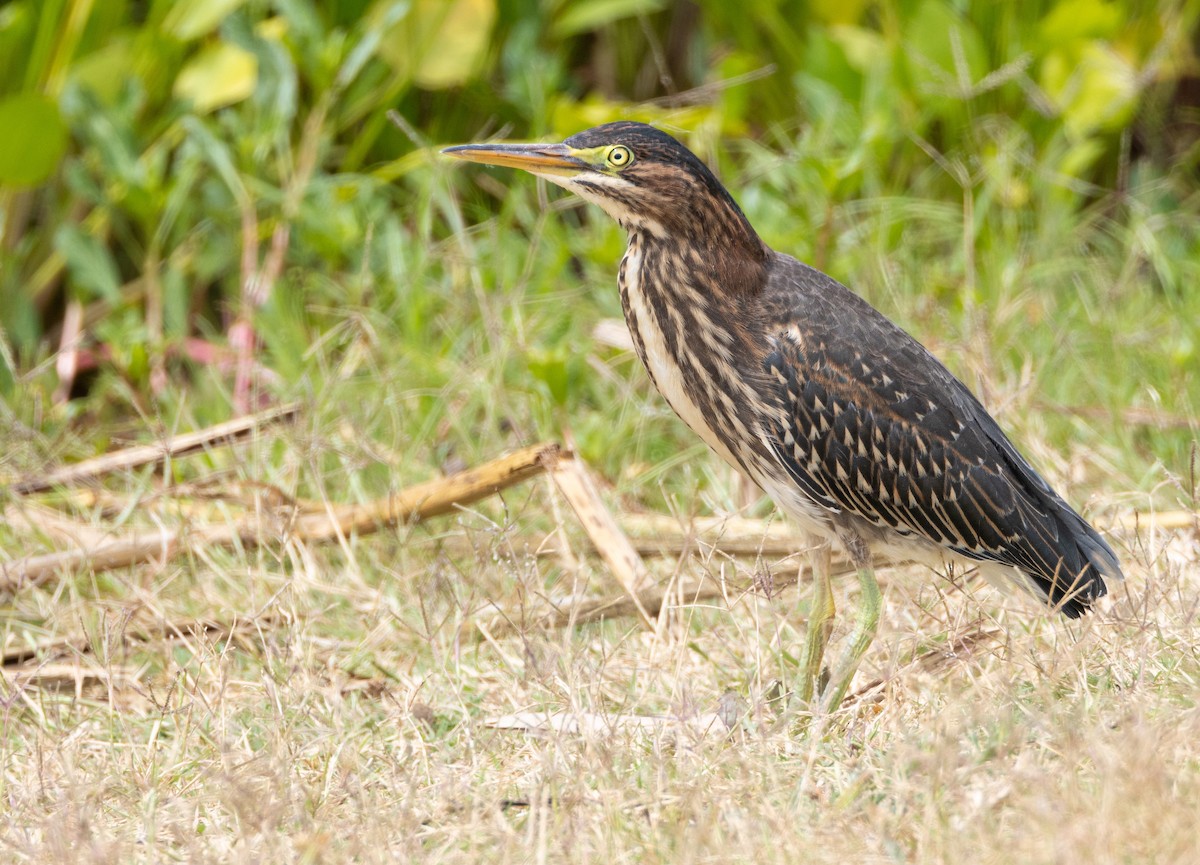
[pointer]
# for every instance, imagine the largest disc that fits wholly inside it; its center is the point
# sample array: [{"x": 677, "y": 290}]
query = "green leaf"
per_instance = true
[
  {"x": 1093, "y": 86},
  {"x": 218, "y": 76},
  {"x": 106, "y": 70},
  {"x": 460, "y": 43},
  {"x": 16, "y": 30},
  {"x": 1080, "y": 158},
  {"x": 34, "y": 139},
  {"x": 368, "y": 45},
  {"x": 942, "y": 48},
  {"x": 190, "y": 19},
  {"x": 89, "y": 263},
  {"x": 552, "y": 368},
  {"x": 838, "y": 11},
  {"x": 591, "y": 14},
  {"x": 437, "y": 43},
  {"x": 20, "y": 321},
  {"x": 1080, "y": 19},
  {"x": 7, "y": 379},
  {"x": 863, "y": 48},
  {"x": 217, "y": 153}
]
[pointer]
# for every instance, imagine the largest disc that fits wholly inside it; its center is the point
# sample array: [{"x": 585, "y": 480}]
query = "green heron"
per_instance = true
[{"x": 851, "y": 426}]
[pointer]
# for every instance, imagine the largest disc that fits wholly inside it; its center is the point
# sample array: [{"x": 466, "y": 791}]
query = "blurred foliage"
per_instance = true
[{"x": 183, "y": 166}]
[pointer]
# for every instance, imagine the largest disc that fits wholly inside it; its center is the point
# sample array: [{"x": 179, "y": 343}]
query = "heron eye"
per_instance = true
[{"x": 620, "y": 156}]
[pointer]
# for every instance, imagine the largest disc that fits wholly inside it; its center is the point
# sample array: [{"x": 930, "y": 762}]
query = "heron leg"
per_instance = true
[
  {"x": 820, "y": 623},
  {"x": 870, "y": 608}
]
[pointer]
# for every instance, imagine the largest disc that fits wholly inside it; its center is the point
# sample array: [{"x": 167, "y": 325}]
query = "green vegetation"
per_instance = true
[
  {"x": 1015, "y": 183},
  {"x": 1015, "y": 188}
]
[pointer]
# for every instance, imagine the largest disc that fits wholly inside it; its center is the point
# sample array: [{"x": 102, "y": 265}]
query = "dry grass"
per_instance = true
[{"x": 346, "y": 719}]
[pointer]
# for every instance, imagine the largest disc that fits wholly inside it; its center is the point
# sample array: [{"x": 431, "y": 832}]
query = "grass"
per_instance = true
[
  {"x": 352, "y": 723},
  {"x": 354, "y": 727}
]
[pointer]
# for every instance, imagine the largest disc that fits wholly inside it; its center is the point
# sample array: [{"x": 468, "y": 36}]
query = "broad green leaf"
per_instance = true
[
  {"x": 554, "y": 368},
  {"x": 827, "y": 58},
  {"x": 1080, "y": 158},
  {"x": 33, "y": 141},
  {"x": 1080, "y": 19},
  {"x": 590, "y": 14},
  {"x": 838, "y": 11},
  {"x": 1094, "y": 87},
  {"x": 16, "y": 27},
  {"x": 89, "y": 263},
  {"x": 190, "y": 19},
  {"x": 217, "y": 76},
  {"x": 436, "y": 43},
  {"x": 105, "y": 71},
  {"x": 863, "y": 48},
  {"x": 460, "y": 43}
]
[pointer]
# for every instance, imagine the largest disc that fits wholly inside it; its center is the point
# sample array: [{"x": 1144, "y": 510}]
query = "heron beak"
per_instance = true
[{"x": 554, "y": 159}]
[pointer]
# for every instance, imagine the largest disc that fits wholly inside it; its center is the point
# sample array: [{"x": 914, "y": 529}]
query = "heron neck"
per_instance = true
[{"x": 715, "y": 250}]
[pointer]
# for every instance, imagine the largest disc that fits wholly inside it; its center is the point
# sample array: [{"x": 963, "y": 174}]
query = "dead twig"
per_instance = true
[
  {"x": 69, "y": 677},
  {"x": 575, "y": 483},
  {"x": 649, "y": 602},
  {"x": 542, "y": 724},
  {"x": 25, "y": 517},
  {"x": 1163, "y": 520},
  {"x": 141, "y": 455},
  {"x": 165, "y": 630},
  {"x": 660, "y": 534},
  {"x": 930, "y": 662},
  {"x": 410, "y": 505}
]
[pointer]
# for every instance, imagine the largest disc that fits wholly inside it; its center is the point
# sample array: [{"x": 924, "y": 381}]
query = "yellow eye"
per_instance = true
[{"x": 619, "y": 156}]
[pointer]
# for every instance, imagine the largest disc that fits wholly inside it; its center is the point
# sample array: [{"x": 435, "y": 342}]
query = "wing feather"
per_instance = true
[{"x": 872, "y": 424}]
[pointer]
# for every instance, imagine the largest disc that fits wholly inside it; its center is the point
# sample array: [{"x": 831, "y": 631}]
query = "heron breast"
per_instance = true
[{"x": 648, "y": 317}]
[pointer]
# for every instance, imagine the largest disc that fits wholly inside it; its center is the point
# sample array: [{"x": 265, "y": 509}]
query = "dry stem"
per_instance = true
[
  {"x": 141, "y": 455},
  {"x": 415, "y": 503}
]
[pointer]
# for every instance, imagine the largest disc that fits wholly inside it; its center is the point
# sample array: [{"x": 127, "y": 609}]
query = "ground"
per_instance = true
[{"x": 345, "y": 706}]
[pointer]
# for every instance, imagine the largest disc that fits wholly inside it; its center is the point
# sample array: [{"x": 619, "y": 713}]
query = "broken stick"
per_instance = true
[
  {"x": 141, "y": 455},
  {"x": 573, "y": 481},
  {"x": 649, "y": 602},
  {"x": 410, "y": 505}
]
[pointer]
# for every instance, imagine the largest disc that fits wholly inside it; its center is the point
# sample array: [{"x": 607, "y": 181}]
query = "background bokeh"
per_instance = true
[{"x": 184, "y": 183}]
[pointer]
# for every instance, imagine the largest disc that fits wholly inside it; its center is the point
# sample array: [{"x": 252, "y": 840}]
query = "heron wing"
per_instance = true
[{"x": 871, "y": 423}]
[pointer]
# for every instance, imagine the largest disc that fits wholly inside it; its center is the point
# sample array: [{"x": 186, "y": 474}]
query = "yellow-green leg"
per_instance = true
[
  {"x": 820, "y": 624},
  {"x": 871, "y": 606}
]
